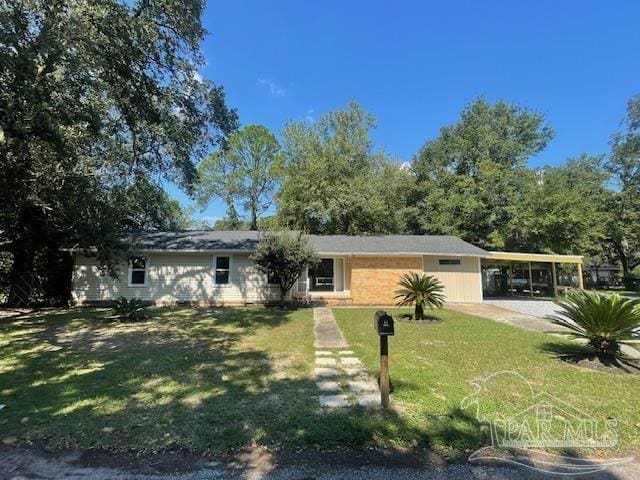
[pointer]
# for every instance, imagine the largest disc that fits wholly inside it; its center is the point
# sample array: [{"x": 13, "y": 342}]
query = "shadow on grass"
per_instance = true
[
  {"x": 585, "y": 356},
  {"x": 191, "y": 380}
]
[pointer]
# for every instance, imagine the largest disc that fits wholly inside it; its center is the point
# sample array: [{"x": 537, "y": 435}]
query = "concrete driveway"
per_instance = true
[{"x": 525, "y": 314}]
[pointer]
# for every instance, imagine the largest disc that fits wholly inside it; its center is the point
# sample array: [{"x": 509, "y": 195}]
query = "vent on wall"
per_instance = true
[{"x": 449, "y": 261}]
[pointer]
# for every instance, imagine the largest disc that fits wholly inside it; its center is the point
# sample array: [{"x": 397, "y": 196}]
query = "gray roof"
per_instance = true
[{"x": 246, "y": 241}]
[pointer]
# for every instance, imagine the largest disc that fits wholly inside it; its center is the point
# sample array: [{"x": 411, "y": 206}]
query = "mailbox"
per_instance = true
[{"x": 383, "y": 323}]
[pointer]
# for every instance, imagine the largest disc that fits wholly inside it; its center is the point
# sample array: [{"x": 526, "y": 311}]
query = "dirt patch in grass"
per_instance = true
[
  {"x": 610, "y": 365},
  {"x": 425, "y": 321}
]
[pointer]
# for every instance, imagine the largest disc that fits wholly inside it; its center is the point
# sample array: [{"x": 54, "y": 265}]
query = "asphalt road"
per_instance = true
[{"x": 21, "y": 464}]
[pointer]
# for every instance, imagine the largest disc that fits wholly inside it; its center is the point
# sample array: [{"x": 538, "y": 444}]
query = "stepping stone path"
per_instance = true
[{"x": 341, "y": 378}]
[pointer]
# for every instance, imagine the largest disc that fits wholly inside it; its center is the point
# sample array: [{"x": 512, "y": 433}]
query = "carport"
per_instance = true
[{"x": 530, "y": 274}]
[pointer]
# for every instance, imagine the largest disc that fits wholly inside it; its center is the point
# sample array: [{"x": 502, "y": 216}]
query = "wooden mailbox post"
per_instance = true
[{"x": 383, "y": 323}]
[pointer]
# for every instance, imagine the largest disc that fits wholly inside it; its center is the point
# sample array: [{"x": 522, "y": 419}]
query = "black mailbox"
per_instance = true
[{"x": 383, "y": 323}]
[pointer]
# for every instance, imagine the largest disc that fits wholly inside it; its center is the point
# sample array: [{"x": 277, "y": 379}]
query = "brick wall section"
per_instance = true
[{"x": 374, "y": 279}]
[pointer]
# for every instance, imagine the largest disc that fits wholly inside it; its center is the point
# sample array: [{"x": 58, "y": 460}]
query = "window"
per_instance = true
[
  {"x": 321, "y": 276},
  {"x": 138, "y": 271},
  {"x": 449, "y": 261},
  {"x": 222, "y": 270},
  {"x": 273, "y": 279}
]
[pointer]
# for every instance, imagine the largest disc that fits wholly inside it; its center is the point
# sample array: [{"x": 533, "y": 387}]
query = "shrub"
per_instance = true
[
  {"x": 421, "y": 290},
  {"x": 605, "y": 321},
  {"x": 284, "y": 256},
  {"x": 132, "y": 310}
]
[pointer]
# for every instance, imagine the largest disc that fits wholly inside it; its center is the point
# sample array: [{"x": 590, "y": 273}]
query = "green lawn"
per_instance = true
[
  {"x": 214, "y": 380},
  {"x": 201, "y": 380},
  {"x": 432, "y": 367},
  {"x": 204, "y": 380}
]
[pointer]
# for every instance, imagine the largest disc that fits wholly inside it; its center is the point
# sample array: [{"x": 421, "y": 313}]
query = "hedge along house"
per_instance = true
[{"x": 215, "y": 268}]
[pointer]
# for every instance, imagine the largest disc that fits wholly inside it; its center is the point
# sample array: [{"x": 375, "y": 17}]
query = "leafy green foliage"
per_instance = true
[
  {"x": 469, "y": 176},
  {"x": 623, "y": 212},
  {"x": 248, "y": 172},
  {"x": 132, "y": 309},
  {"x": 335, "y": 183},
  {"x": 284, "y": 256},
  {"x": 560, "y": 209},
  {"x": 420, "y": 289},
  {"x": 605, "y": 321},
  {"x": 96, "y": 95}
]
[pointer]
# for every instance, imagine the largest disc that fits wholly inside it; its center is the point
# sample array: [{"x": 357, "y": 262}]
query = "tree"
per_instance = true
[
  {"x": 283, "y": 257},
  {"x": 468, "y": 177},
  {"x": 248, "y": 171},
  {"x": 560, "y": 209},
  {"x": 334, "y": 182},
  {"x": 93, "y": 95},
  {"x": 145, "y": 205},
  {"x": 623, "y": 226}
]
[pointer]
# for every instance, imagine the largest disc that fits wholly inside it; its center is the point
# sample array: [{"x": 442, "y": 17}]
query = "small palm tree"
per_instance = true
[
  {"x": 421, "y": 290},
  {"x": 605, "y": 321}
]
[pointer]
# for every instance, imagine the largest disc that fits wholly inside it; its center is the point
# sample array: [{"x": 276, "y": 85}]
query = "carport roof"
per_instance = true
[
  {"x": 533, "y": 257},
  {"x": 246, "y": 241}
]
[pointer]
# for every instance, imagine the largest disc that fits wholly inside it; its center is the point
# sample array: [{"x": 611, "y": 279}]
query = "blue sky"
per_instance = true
[{"x": 414, "y": 65}]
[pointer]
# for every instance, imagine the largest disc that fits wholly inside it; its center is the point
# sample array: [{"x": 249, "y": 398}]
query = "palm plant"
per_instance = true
[
  {"x": 605, "y": 321},
  {"x": 130, "y": 309},
  {"x": 421, "y": 290}
]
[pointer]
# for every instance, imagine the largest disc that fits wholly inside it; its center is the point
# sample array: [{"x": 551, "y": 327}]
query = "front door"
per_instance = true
[{"x": 321, "y": 278}]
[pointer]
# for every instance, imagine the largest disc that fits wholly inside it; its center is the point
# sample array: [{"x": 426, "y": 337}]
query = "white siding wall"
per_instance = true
[
  {"x": 175, "y": 277},
  {"x": 462, "y": 283}
]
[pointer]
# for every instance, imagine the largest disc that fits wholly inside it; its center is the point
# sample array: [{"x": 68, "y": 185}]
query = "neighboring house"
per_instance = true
[
  {"x": 603, "y": 274},
  {"x": 214, "y": 267}
]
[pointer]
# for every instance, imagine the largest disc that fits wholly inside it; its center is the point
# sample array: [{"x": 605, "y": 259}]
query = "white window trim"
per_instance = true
[
  {"x": 215, "y": 268},
  {"x": 146, "y": 273}
]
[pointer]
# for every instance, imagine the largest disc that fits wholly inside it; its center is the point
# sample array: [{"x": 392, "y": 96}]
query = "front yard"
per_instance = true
[
  {"x": 220, "y": 379},
  {"x": 432, "y": 367},
  {"x": 203, "y": 380}
]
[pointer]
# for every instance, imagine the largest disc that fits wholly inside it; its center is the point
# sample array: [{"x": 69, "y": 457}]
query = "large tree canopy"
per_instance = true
[
  {"x": 94, "y": 95},
  {"x": 469, "y": 176},
  {"x": 334, "y": 180},
  {"x": 248, "y": 172},
  {"x": 623, "y": 219},
  {"x": 559, "y": 209}
]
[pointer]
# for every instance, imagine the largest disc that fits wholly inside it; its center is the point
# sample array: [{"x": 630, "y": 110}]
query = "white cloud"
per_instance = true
[
  {"x": 274, "y": 89},
  {"x": 309, "y": 117}
]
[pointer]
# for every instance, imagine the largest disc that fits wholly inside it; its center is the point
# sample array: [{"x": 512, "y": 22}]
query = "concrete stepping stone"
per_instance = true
[
  {"x": 351, "y": 361},
  {"x": 326, "y": 372},
  {"x": 354, "y": 372},
  {"x": 345, "y": 352},
  {"x": 334, "y": 400},
  {"x": 325, "y": 362},
  {"x": 368, "y": 400},
  {"x": 327, "y": 386},
  {"x": 358, "y": 386},
  {"x": 324, "y": 353}
]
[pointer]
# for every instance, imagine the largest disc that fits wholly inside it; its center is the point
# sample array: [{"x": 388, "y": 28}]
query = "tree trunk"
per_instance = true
[
  {"x": 624, "y": 261},
  {"x": 254, "y": 217},
  {"x": 419, "y": 313}
]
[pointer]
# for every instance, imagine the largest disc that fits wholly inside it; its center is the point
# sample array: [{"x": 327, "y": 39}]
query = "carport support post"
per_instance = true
[
  {"x": 384, "y": 371},
  {"x": 510, "y": 279},
  {"x": 580, "y": 279},
  {"x": 555, "y": 280},
  {"x": 530, "y": 280}
]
